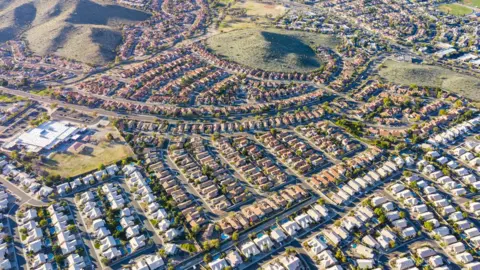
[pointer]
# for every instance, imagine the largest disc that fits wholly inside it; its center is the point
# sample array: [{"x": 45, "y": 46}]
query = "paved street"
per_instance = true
[{"x": 20, "y": 194}]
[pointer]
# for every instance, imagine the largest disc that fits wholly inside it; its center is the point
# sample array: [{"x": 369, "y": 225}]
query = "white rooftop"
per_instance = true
[{"x": 45, "y": 136}]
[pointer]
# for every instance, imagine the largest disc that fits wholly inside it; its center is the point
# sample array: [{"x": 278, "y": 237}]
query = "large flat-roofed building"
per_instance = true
[{"x": 44, "y": 137}]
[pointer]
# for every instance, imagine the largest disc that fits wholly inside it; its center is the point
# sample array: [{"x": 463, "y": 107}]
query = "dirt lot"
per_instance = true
[
  {"x": 98, "y": 151},
  {"x": 256, "y": 14},
  {"x": 261, "y": 9}
]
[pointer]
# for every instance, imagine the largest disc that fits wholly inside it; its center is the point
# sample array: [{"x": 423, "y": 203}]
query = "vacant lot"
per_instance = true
[
  {"x": 260, "y": 9},
  {"x": 100, "y": 151},
  {"x": 472, "y": 3},
  {"x": 455, "y": 9},
  {"x": 423, "y": 75},
  {"x": 231, "y": 23},
  {"x": 271, "y": 49},
  {"x": 256, "y": 14}
]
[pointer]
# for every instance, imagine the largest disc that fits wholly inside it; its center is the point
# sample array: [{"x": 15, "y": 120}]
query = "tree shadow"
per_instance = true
[{"x": 87, "y": 151}]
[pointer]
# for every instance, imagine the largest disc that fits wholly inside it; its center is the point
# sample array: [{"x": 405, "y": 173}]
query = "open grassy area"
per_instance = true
[
  {"x": 455, "y": 9},
  {"x": 231, "y": 23},
  {"x": 10, "y": 99},
  {"x": 84, "y": 30},
  {"x": 71, "y": 164},
  {"x": 472, "y": 3},
  {"x": 260, "y": 9},
  {"x": 272, "y": 49},
  {"x": 45, "y": 92},
  {"x": 256, "y": 14},
  {"x": 434, "y": 76}
]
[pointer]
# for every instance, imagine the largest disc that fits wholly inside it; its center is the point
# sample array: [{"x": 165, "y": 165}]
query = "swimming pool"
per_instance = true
[
  {"x": 224, "y": 236},
  {"x": 322, "y": 238}
]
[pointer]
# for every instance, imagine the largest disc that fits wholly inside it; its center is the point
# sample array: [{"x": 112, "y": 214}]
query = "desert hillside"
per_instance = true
[{"x": 85, "y": 30}]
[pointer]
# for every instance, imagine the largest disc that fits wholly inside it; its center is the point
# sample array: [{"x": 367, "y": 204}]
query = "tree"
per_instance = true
[
  {"x": 7, "y": 238},
  {"x": 382, "y": 219},
  {"x": 58, "y": 259},
  {"x": 71, "y": 228},
  {"x": 235, "y": 236},
  {"x": 109, "y": 137},
  {"x": 428, "y": 226},
  {"x": 215, "y": 243},
  {"x": 378, "y": 211},
  {"x": 387, "y": 102},
  {"x": 458, "y": 104},
  {"x": 162, "y": 253},
  {"x": 14, "y": 154},
  {"x": 188, "y": 247},
  {"x": 392, "y": 243},
  {"x": 207, "y": 258},
  {"x": 43, "y": 223}
]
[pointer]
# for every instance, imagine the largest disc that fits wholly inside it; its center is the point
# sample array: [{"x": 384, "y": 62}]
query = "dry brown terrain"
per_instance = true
[{"x": 85, "y": 30}]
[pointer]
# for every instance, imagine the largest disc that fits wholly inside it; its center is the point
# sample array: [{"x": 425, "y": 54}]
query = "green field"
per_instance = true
[
  {"x": 455, "y": 9},
  {"x": 406, "y": 74},
  {"x": 472, "y": 3},
  {"x": 10, "y": 99},
  {"x": 271, "y": 49},
  {"x": 45, "y": 92}
]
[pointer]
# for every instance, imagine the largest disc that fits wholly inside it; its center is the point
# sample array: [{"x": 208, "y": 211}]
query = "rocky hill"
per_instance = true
[{"x": 84, "y": 30}]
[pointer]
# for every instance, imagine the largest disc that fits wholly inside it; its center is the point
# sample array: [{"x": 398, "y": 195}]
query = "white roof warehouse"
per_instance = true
[{"x": 46, "y": 136}]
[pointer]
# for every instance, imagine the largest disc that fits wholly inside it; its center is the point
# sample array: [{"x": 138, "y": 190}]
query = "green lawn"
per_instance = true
[
  {"x": 10, "y": 99},
  {"x": 455, "y": 9},
  {"x": 45, "y": 92},
  {"x": 472, "y": 3}
]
